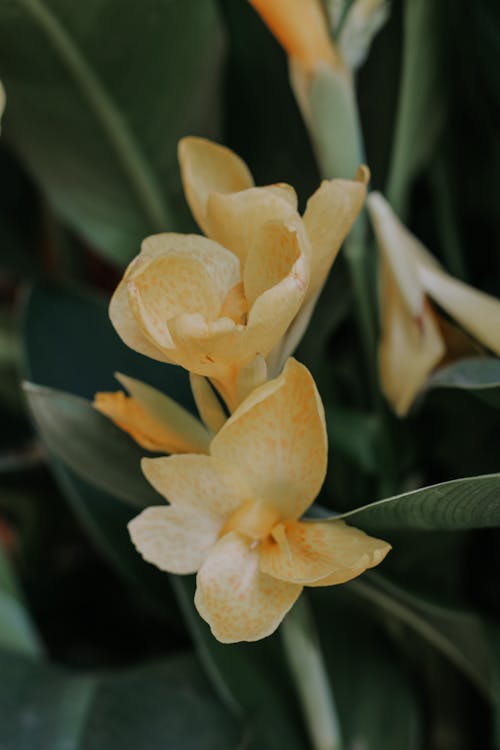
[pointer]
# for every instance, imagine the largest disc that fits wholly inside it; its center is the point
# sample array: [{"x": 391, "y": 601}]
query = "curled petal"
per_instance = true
[
  {"x": 315, "y": 553},
  {"x": 154, "y": 420},
  {"x": 176, "y": 540},
  {"x": 239, "y": 602},
  {"x": 208, "y": 167},
  {"x": 330, "y": 213},
  {"x": 277, "y": 441},
  {"x": 207, "y": 402},
  {"x": 235, "y": 218}
]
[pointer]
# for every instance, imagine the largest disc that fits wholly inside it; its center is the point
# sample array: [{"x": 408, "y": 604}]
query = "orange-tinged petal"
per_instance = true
[
  {"x": 477, "y": 312},
  {"x": 208, "y": 167},
  {"x": 176, "y": 540},
  {"x": 330, "y": 213},
  {"x": 300, "y": 27},
  {"x": 238, "y": 601},
  {"x": 203, "y": 484},
  {"x": 410, "y": 347},
  {"x": 235, "y": 218},
  {"x": 277, "y": 441},
  {"x": 316, "y": 553}
]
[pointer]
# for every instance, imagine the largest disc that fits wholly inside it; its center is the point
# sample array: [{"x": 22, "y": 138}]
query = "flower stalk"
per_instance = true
[{"x": 307, "y": 666}]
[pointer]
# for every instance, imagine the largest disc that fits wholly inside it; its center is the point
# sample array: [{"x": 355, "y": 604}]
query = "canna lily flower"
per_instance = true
[
  {"x": 301, "y": 28},
  {"x": 152, "y": 419},
  {"x": 234, "y": 514},
  {"x": 416, "y": 338},
  {"x": 214, "y": 304}
]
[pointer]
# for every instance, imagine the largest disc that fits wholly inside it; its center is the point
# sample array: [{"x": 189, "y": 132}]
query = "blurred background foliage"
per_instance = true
[{"x": 94, "y": 652}]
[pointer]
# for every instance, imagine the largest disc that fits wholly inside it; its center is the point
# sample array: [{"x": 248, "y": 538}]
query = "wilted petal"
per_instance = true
[
  {"x": 300, "y": 27},
  {"x": 208, "y": 167},
  {"x": 316, "y": 553},
  {"x": 154, "y": 420},
  {"x": 477, "y": 312},
  {"x": 410, "y": 347},
  {"x": 176, "y": 540},
  {"x": 238, "y": 601},
  {"x": 277, "y": 441},
  {"x": 235, "y": 218},
  {"x": 330, "y": 213}
]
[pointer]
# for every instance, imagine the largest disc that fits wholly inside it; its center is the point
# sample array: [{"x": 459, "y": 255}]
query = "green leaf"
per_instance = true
[
  {"x": 420, "y": 114},
  {"x": 479, "y": 376},
  {"x": 90, "y": 444},
  {"x": 17, "y": 632},
  {"x": 356, "y": 435},
  {"x": 98, "y": 96},
  {"x": 470, "y": 503},
  {"x": 459, "y": 635},
  {"x": 165, "y": 706}
]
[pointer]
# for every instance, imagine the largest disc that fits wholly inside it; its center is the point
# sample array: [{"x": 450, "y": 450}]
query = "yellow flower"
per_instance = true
[
  {"x": 233, "y": 515},
  {"x": 213, "y": 304},
  {"x": 153, "y": 420},
  {"x": 300, "y": 27},
  {"x": 415, "y": 337}
]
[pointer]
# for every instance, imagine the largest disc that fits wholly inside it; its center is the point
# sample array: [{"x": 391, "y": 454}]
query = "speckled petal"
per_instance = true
[
  {"x": 208, "y": 167},
  {"x": 176, "y": 540},
  {"x": 235, "y": 218},
  {"x": 277, "y": 441},
  {"x": 330, "y": 213},
  {"x": 238, "y": 601},
  {"x": 316, "y": 553}
]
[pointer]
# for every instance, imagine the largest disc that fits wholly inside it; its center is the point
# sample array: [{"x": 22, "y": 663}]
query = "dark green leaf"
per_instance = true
[
  {"x": 98, "y": 95},
  {"x": 16, "y": 629},
  {"x": 91, "y": 445},
  {"x": 479, "y": 376}
]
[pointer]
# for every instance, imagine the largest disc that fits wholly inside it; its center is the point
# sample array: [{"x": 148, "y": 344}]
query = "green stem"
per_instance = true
[{"x": 304, "y": 657}]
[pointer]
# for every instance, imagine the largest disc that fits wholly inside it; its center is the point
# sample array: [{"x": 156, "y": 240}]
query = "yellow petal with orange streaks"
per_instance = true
[
  {"x": 316, "y": 553},
  {"x": 239, "y": 602}
]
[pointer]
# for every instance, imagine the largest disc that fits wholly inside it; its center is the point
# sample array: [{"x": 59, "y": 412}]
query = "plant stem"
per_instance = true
[{"x": 306, "y": 663}]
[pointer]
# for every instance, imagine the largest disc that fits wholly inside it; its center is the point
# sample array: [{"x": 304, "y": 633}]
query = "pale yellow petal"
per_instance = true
[
  {"x": 410, "y": 347},
  {"x": 477, "y": 312},
  {"x": 202, "y": 484},
  {"x": 130, "y": 417},
  {"x": 316, "y": 553},
  {"x": 251, "y": 377},
  {"x": 400, "y": 249},
  {"x": 207, "y": 402},
  {"x": 277, "y": 441},
  {"x": 238, "y": 601},
  {"x": 301, "y": 28},
  {"x": 235, "y": 218},
  {"x": 208, "y": 167},
  {"x": 186, "y": 433},
  {"x": 330, "y": 213},
  {"x": 279, "y": 249},
  {"x": 176, "y": 540}
]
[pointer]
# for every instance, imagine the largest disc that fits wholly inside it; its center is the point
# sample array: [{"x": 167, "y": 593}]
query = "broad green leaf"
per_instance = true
[
  {"x": 17, "y": 632},
  {"x": 420, "y": 113},
  {"x": 91, "y": 445},
  {"x": 355, "y": 434},
  {"x": 479, "y": 376},
  {"x": 163, "y": 706},
  {"x": 470, "y": 503},
  {"x": 98, "y": 95},
  {"x": 459, "y": 635}
]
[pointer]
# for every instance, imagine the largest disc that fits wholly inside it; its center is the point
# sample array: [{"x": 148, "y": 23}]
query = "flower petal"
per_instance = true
[
  {"x": 400, "y": 249},
  {"x": 277, "y": 441},
  {"x": 208, "y": 167},
  {"x": 176, "y": 540},
  {"x": 234, "y": 218},
  {"x": 316, "y": 553},
  {"x": 202, "y": 484},
  {"x": 330, "y": 213},
  {"x": 238, "y": 601},
  {"x": 207, "y": 402},
  {"x": 477, "y": 312},
  {"x": 300, "y": 27},
  {"x": 410, "y": 347}
]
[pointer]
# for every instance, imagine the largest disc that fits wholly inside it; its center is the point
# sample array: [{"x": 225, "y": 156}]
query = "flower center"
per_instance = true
[{"x": 253, "y": 519}]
